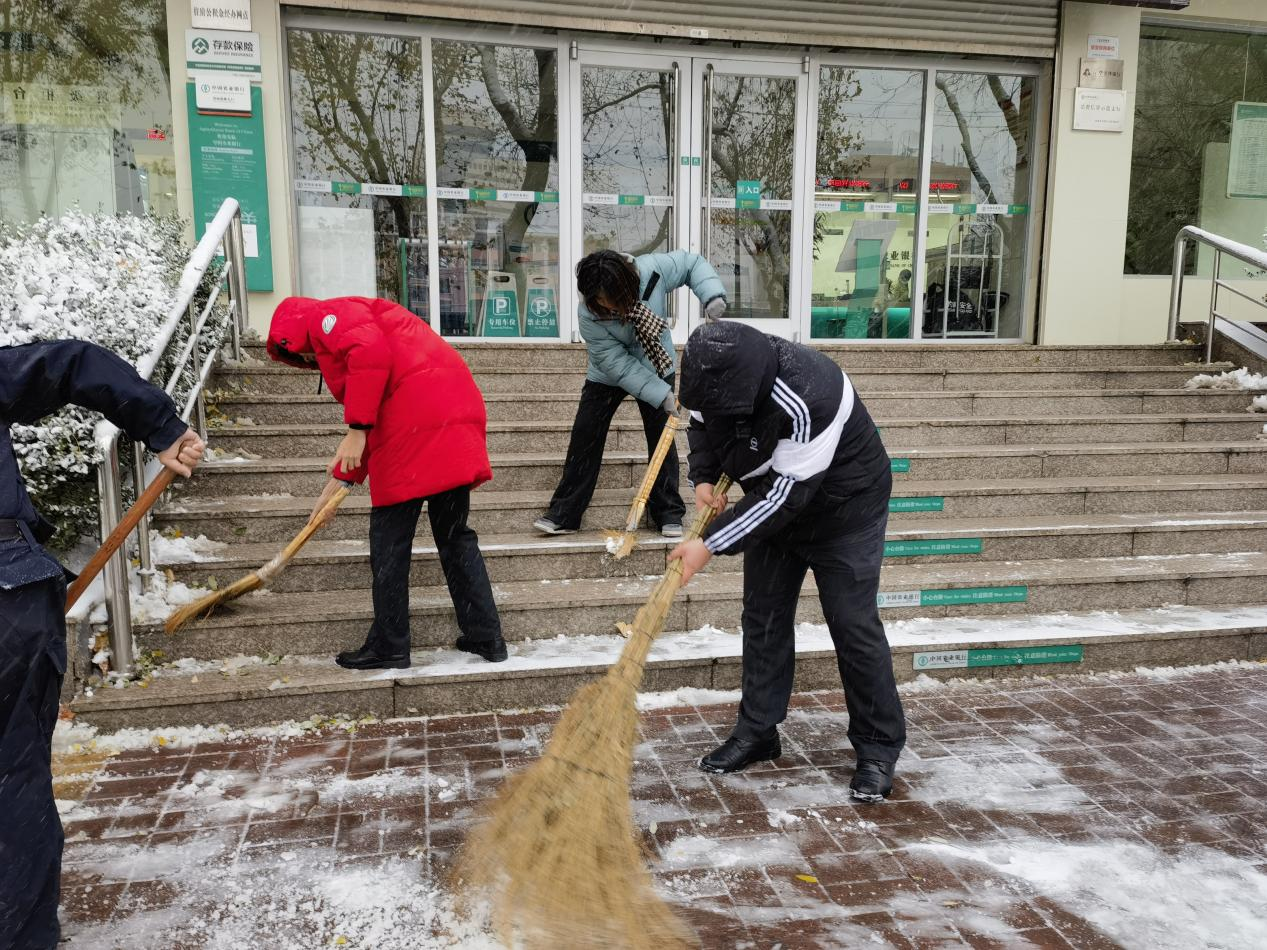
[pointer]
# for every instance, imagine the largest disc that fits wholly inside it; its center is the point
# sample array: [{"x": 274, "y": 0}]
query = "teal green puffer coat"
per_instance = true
[{"x": 615, "y": 355}]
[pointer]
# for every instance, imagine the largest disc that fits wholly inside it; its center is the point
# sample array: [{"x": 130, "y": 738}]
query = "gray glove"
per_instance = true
[
  {"x": 670, "y": 404},
  {"x": 715, "y": 309}
]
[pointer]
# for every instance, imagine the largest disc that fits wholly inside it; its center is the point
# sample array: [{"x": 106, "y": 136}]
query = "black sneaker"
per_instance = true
[
  {"x": 873, "y": 780},
  {"x": 492, "y": 650},
  {"x": 366, "y": 659},
  {"x": 735, "y": 754}
]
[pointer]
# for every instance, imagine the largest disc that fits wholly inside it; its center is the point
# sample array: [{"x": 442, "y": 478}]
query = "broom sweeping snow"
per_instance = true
[
  {"x": 558, "y": 855},
  {"x": 262, "y": 577},
  {"x": 620, "y": 544}
]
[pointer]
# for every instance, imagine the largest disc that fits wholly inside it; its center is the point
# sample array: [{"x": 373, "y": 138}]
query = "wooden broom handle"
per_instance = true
[
  {"x": 671, "y": 427},
  {"x": 125, "y": 527}
]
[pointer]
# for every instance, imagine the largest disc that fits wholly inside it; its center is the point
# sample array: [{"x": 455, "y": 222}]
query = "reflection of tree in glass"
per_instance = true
[
  {"x": 120, "y": 45},
  {"x": 626, "y": 123},
  {"x": 357, "y": 106}
]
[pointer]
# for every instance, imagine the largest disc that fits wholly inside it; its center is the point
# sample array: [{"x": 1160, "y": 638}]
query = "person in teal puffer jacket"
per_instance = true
[{"x": 623, "y": 319}]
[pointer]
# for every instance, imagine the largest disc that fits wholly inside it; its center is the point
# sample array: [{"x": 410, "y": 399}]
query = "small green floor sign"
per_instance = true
[
  {"x": 929, "y": 503},
  {"x": 1011, "y": 656},
  {"x": 901, "y": 466},
  {"x": 542, "y": 314},
  {"x": 932, "y": 547},
  {"x": 953, "y": 596}
]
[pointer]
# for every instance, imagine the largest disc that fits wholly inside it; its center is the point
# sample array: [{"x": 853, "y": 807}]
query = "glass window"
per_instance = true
[
  {"x": 85, "y": 109},
  {"x": 360, "y": 166},
  {"x": 865, "y": 199},
  {"x": 978, "y": 220},
  {"x": 497, "y": 167},
  {"x": 1189, "y": 81}
]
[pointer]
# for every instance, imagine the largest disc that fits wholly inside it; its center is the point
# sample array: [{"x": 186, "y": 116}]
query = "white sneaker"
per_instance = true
[
  {"x": 546, "y": 526},
  {"x": 671, "y": 531}
]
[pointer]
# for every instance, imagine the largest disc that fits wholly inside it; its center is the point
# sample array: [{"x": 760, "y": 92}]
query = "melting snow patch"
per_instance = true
[
  {"x": 697, "y": 851},
  {"x": 1233, "y": 379},
  {"x": 1138, "y": 895},
  {"x": 686, "y": 696},
  {"x": 184, "y": 550},
  {"x": 1024, "y": 782}
]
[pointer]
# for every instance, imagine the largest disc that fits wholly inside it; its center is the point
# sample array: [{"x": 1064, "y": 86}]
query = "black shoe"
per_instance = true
[
  {"x": 873, "y": 781},
  {"x": 735, "y": 754},
  {"x": 366, "y": 659},
  {"x": 492, "y": 650}
]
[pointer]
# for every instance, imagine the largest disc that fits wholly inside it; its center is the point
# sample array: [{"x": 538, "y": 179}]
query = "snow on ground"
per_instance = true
[
  {"x": 184, "y": 550},
  {"x": 1233, "y": 379},
  {"x": 1137, "y": 894},
  {"x": 73, "y": 738},
  {"x": 1259, "y": 405}
]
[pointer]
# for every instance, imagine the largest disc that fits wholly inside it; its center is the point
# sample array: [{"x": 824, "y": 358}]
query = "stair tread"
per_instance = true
[
  {"x": 250, "y": 554},
  {"x": 268, "y": 607},
  {"x": 202, "y": 682}
]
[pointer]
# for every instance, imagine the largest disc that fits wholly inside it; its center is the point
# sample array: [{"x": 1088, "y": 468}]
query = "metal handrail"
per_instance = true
[
  {"x": 223, "y": 235},
  {"x": 1221, "y": 245}
]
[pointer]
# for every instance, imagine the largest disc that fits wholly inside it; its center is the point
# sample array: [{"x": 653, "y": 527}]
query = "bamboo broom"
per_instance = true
[
  {"x": 620, "y": 544},
  {"x": 264, "y": 575},
  {"x": 558, "y": 855}
]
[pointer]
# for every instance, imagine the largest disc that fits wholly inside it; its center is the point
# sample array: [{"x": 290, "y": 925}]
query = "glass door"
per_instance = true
[{"x": 751, "y": 138}]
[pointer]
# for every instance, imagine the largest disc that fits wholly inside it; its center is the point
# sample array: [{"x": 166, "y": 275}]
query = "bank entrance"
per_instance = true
[{"x": 464, "y": 171}]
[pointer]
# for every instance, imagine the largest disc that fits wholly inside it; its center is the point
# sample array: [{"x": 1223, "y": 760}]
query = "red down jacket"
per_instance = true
[{"x": 390, "y": 370}]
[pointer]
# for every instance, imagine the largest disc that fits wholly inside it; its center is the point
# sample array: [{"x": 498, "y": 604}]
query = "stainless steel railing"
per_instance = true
[
  {"x": 185, "y": 334},
  {"x": 1221, "y": 245}
]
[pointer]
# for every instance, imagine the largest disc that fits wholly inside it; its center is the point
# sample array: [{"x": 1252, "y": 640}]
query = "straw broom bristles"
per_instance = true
[
  {"x": 624, "y": 542},
  {"x": 262, "y": 577},
  {"x": 559, "y": 856}
]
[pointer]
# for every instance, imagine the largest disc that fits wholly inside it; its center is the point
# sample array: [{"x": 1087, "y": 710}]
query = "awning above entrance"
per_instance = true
[{"x": 1024, "y": 28}]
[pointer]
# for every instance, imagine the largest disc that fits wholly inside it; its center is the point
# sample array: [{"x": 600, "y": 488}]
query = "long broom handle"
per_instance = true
[
  {"x": 298, "y": 541},
  {"x": 99, "y": 560},
  {"x": 671, "y": 427}
]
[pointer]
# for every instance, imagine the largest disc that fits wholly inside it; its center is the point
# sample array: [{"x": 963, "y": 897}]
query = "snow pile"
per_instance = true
[
  {"x": 1138, "y": 895},
  {"x": 109, "y": 280},
  {"x": 179, "y": 549},
  {"x": 1233, "y": 379},
  {"x": 686, "y": 696},
  {"x": 1259, "y": 405}
]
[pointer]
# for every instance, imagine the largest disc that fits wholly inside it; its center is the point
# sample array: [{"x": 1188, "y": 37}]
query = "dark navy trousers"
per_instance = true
[{"x": 32, "y": 663}]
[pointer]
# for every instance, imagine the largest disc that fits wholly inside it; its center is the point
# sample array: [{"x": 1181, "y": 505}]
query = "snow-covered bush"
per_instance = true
[{"x": 109, "y": 280}]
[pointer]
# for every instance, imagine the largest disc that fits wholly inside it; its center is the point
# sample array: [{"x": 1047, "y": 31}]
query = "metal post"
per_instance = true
[
  {"x": 118, "y": 602},
  {"x": 236, "y": 250},
  {"x": 143, "y": 526},
  {"x": 1214, "y": 306},
  {"x": 200, "y": 412},
  {"x": 1176, "y": 285}
]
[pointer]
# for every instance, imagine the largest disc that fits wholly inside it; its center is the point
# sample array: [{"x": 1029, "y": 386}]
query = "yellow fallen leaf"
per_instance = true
[
  {"x": 340, "y": 940},
  {"x": 162, "y": 741},
  {"x": 807, "y": 878}
]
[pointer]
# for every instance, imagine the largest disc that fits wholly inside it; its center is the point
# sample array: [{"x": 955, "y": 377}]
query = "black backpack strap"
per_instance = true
[{"x": 651, "y": 286}]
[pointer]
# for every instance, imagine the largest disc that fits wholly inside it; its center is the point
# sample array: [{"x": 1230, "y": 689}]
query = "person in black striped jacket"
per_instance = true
[{"x": 783, "y": 421}]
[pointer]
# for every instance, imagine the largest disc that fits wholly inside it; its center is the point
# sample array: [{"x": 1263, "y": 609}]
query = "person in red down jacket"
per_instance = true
[{"x": 416, "y": 426}]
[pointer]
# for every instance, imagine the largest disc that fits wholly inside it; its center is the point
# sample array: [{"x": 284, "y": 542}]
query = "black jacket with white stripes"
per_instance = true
[{"x": 784, "y": 421}]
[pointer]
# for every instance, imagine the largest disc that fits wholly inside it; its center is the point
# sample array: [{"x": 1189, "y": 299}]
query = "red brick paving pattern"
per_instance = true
[{"x": 777, "y": 857}]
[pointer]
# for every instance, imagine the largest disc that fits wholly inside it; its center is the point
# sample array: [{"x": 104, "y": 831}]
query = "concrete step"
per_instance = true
[
  {"x": 527, "y": 556},
  {"x": 279, "y": 517},
  {"x": 288, "y": 441},
  {"x": 317, "y": 622},
  {"x": 312, "y": 409},
  {"x": 547, "y": 673},
  {"x": 486, "y": 354},
  {"x": 540, "y": 472}
]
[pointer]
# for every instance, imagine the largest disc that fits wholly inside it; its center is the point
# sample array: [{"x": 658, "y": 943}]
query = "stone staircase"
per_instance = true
[{"x": 1066, "y": 496}]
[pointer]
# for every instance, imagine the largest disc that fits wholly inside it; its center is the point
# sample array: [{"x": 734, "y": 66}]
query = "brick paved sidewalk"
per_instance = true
[{"x": 1084, "y": 812}]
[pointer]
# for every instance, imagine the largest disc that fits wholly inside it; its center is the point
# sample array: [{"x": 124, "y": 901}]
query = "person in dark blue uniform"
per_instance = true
[{"x": 37, "y": 379}]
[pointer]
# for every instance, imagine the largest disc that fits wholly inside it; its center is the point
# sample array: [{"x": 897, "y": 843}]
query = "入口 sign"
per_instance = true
[
  {"x": 222, "y": 93},
  {"x": 221, "y": 14},
  {"x": 1100, "y": 74},
  {"x": 222, "y": 49},
  {"x": 1099, "y": 110}
]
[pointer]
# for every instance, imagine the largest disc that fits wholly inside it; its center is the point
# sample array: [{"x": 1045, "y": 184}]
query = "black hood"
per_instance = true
[{"x": 728, "y": 369}]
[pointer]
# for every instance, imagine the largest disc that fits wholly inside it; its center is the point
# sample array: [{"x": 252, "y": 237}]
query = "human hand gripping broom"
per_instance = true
[
  {"x": 264, "y": 576},
  {"x": 620, "y": 544},
  {"x": 558, "y": 855}
]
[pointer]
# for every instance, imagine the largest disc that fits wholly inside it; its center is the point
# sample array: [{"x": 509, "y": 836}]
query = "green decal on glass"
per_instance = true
[
  {"x": 933, "y": 547},
  {"x": 929, "y": 503},
  {"x": 345, "y": 187},
  {"x": 226, "y": 155},
  {"x": 542, "y": 312},
  {"x": 548, "y": 197},
  {"x": 695, "y": 161},
  {"x": 973, "y": 595},
  {"x": 414, "y": 191},
  {"x": 904, "y": 207},
  {"x": 632, "y": 199},
  {"x": 483, "y": 194},
  {"x": 1018, "y": 209},
  {"x": 853, "y": 206},
  {"x": 748, "y": 194},
  {"x": 900, "y": 466},
  {"x": 965, "y": 209},
  {"x": 686, "y": 160}
]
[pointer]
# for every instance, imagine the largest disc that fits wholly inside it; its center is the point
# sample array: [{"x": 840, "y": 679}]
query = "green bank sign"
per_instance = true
[{"x": 1017, "y": 656}]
